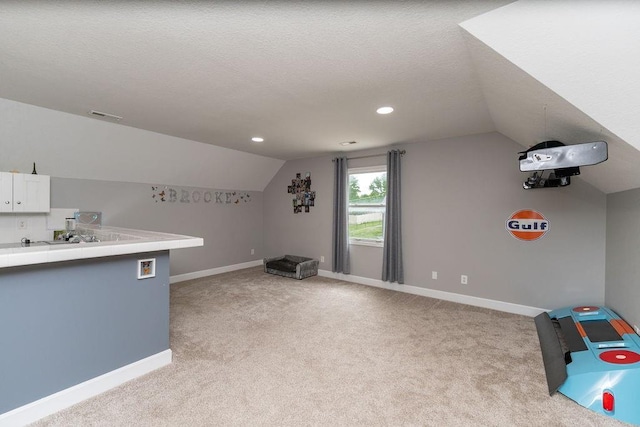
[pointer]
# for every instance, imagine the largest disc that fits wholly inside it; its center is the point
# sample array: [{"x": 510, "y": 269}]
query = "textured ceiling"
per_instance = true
[
  {"x": 307, "y": 75},
  {"x": 303, "y": 75}
]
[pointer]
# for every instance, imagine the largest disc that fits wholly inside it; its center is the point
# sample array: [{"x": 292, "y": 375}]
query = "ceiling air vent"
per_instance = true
[{"x": 105, "y": 115}]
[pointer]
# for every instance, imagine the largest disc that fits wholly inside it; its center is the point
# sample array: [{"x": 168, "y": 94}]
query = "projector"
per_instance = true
[{"x": 562, "y": 160}]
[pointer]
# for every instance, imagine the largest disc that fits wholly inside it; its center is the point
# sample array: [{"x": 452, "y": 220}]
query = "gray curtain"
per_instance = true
[
  {"x": 392, "y": 269},
  {"x": 340, "y": 261}
]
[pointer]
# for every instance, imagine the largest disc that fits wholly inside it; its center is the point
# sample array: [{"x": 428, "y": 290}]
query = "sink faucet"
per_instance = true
[
  {"x": 65, "y": 236},
  {"x": 75, "y": 238}
]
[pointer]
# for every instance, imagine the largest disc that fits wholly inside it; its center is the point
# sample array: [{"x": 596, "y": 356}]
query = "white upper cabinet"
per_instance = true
[
  {"x": 6, "y": 192},
  {"x": 21, "y": 192}
]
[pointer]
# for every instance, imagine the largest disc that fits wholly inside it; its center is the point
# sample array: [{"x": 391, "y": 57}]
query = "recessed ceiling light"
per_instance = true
[
  {"x": 384, "y": 110},
  {"x": 257, "y": 139},
  {"x": 348, "y": 143}
]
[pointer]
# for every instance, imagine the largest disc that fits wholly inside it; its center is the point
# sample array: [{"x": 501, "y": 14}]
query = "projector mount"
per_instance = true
[{"x": 562, "y": 160}]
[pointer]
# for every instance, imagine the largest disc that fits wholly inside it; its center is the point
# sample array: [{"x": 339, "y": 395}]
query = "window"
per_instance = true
[{"x": 367, "y": 202}]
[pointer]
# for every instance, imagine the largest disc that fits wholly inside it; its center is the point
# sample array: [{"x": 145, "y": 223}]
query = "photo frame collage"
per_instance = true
[{"x": 303, "y": 197}]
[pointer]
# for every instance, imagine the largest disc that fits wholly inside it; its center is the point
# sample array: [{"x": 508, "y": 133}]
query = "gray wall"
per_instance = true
[
  {"x": 623, "y": 259},
  {"x": 457, "y": 195},
  {"x": 64, "y": 323},
  {"x": 230, "y": 230},
  {"x": 306, "y": 234}
]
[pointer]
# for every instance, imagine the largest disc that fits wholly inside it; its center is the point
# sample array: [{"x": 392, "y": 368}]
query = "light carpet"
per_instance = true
[{"x": 253, "y": 349}]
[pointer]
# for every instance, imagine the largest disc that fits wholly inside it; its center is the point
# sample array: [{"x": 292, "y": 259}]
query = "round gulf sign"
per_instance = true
[{"x": 527, "y": 225}]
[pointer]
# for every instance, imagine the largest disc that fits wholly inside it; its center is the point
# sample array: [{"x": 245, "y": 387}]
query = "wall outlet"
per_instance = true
[
  {"x": 253, "y": 251},
  {"x": 636, "y": 329},
  {"x": 322, "y": 258},
  {"x": 21, "y": 224},
  {"x": 434, "y": 275},
  {"x": 464, "y": 279}
]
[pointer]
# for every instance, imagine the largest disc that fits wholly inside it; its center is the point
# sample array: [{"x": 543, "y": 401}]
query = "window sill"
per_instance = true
[{"x": 364, "y": 242}]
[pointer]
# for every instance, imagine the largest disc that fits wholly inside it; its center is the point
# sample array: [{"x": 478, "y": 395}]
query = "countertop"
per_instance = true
[{"x": 113, "y": 241}]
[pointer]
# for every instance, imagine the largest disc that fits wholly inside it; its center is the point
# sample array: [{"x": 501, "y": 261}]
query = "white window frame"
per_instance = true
[{"x": 361, "y": 241}]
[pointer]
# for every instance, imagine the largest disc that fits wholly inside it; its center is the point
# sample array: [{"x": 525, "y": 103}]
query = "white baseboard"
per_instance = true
[
  {"x": 214, "y": 271},
  {"x": 41, "y": 408},
  {"x": 432, "y": 293}
]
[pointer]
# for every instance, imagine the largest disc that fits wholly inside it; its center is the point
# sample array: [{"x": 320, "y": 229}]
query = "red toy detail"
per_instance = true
[
  {"x": 620, "y": 357},
  {"x": 585, "y": 308}
]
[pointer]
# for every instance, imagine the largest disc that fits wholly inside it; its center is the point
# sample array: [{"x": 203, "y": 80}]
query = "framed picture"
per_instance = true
[{"x": 146, "y": 268}]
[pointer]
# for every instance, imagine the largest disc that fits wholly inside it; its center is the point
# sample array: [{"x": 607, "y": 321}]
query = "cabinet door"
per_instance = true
[
  {"x": 6, "y": 192},
  {"x": 31, "y": 193}
]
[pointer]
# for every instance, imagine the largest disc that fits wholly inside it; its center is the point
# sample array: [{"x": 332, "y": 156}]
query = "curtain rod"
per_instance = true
[{"x": 402, "y": 153}]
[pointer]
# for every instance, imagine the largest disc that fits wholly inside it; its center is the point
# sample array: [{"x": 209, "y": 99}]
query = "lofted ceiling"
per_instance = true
[
  {"x": 560, "y": 70},
  {"x": 304, "y": 75}
]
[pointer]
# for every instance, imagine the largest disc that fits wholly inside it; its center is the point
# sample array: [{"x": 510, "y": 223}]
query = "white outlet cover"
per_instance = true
[{"x": 434, "y": 275}]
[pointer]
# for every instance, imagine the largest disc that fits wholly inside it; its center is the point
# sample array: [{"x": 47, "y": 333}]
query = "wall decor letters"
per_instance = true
[
  {"x": 181, "y": 195},
  {"x": 303, "y": 197}
]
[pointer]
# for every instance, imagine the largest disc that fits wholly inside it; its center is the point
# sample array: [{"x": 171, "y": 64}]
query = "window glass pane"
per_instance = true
[
  {"x": 366, "y": 223},
  {"x": 367, "y": 188},
  {"x": 367, "y": 198}
]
